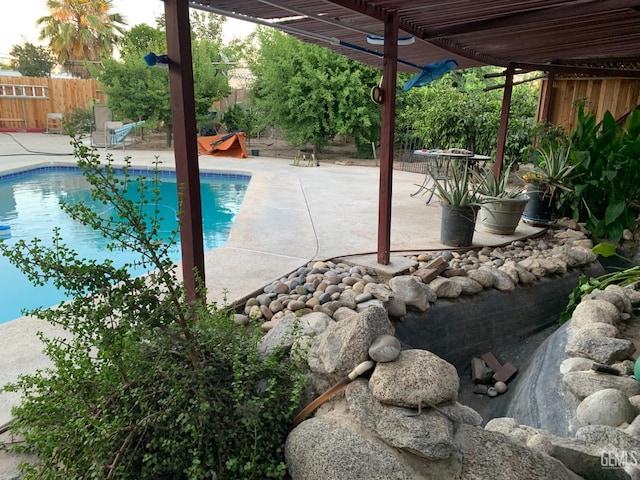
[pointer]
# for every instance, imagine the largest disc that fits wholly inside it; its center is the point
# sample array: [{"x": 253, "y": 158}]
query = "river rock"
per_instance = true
[
  {"x": 594, "y": 311},
  {"x": 583, "y": 384},
  {"x": 483, "y": 277},
  {"x": 412, "y": 291},
  {"x": 283, "y": 334},
  {"x": 622, "y": 292},
  {"x": 379, "y": 290},
  {"x": 467, "y": 285},
  {"x": 608, "y": 438},
  {"x": 601, "y": 349},
  {"x": 343, "y": 313},
  {"x": 318, "y": 321},
  {"x": 445, "y": 288},
  {"x": 345, "y": 344},
  {"x": 595, "y": 329},
  {"x": 417, "y": 377},
  {"x": 501, "y": 281},
  {"x": 605, "y": 407},
  {"x": 385, "y": 348},
  {"x": 575, "y": 364},
  {"x": 428, "y": 434},
  {"x": 396, "y": 307}
]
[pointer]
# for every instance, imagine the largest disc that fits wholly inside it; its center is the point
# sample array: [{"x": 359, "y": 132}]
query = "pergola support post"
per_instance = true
[
  {"x": 389, "y": 72},
  {"x": 504, "y": 121},
  {"x": 185, "y": 143}
]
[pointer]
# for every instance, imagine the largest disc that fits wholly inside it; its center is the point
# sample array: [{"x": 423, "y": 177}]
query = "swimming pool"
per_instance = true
[{"x": 29, "y": 205}]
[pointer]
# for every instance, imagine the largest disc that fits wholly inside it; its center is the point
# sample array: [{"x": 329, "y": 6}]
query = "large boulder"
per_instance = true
[
  {"x": 595, "y": 310},
  {"x": 583, "y": 384},
  {"x": 492, "y": 455},
  {"x": 416, "y": 378},
  {"x": 427, "y": 434},
  {"x": 601, "y": 349},
  {"x": 412, "y": 291},
  {"x": 320, "y": 449},
  {"x": 606, "y": 407},
  {"x": 345, "y": 344}
]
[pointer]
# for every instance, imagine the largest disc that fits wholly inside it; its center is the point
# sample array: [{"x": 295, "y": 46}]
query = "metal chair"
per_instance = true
[{"x": 54, "y": 123}]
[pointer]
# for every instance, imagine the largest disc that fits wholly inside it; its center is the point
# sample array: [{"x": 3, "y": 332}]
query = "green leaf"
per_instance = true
[{"x": 604, "y": 249}]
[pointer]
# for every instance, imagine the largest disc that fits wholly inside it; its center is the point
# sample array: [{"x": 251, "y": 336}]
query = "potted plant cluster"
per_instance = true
[
  {"x": 550, "y": 176},
  {"x": 502, "y": 204},
  {"x": 460, "y": 204}
]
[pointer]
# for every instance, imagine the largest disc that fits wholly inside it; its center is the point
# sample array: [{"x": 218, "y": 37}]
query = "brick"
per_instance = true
[
  {"x": 426, "y": 274},
  {"x": 505, "y": 373},
  {"x": 438, "y": 263},
  {"x": 480, "y": 373},
  {"x": 454, "y": 272},
  {"x": 480, "y": 389},
  {"x": 491, "y": 361}
]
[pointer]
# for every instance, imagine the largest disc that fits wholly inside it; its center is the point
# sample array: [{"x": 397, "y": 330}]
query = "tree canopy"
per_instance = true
[
  {"x": 80, "y": 32},
  {"x": 311, "y": 93},
  {"x": 456, "y": 111},
  {"x": 137, "y": 91},
  {"x": 32, "y": 60}
]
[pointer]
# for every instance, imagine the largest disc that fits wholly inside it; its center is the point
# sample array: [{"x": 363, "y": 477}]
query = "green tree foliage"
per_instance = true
[
  {"x": 144, "y": 384},
  {"x": 454, "y": 111},
  {"x": 32, "y": 60},
  {"x": 311, "y": 93},
  {"x": 137, "y": 91},
  {"x": 80, "y": 32},
  {"x": 134, "y": 90}
]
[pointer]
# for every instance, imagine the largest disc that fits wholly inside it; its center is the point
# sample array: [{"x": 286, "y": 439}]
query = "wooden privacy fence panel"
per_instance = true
[
  {"x": 62, "y": 95},
  {"x": 617, "y": 95}
]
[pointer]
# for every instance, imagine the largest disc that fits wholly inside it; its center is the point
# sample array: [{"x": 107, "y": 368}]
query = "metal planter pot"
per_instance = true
[
  {"x": 457, "y": 225},
  {"x": 501, "y": 216}
]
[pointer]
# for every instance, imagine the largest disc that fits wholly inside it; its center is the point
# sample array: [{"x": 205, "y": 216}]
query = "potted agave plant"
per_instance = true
[
  {"x": 460, "y": 203},
  {"x": 550, "y": 176},
  {"x": 502, "y": 204}
]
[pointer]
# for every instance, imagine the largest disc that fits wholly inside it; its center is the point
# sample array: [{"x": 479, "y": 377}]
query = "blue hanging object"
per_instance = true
[
  {"x": 431, "y": 72},
  {"x": 153, "y": 60}
]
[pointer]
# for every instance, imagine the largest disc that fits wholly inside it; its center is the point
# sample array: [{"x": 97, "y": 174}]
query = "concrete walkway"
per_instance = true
[{"x": 289, "y": 216}]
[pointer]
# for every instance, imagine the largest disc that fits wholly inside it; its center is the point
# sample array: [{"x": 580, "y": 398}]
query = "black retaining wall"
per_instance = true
[{"x": 470, "y": 325}]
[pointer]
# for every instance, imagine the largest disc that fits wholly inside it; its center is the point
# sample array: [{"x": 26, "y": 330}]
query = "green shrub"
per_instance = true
[
  {"x": 606, "y": 184},
  {"x": 148, "y": 385}
]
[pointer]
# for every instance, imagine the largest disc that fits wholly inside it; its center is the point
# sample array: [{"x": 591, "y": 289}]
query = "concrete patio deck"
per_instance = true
[{"x": 290, "y": 216}]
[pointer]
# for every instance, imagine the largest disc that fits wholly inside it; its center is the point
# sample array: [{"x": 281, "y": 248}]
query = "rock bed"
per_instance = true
[{"x": 337, "y": 288}]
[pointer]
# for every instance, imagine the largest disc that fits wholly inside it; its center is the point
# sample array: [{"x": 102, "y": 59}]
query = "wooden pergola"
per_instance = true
[{"x": 582, "y": 37}]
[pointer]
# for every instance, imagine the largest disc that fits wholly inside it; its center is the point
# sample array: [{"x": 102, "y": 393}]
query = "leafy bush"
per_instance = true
[
  {"x": 148, "y": 384},
  {"x": 80, "y": 120},
  {"x": 606, "y": 187}
]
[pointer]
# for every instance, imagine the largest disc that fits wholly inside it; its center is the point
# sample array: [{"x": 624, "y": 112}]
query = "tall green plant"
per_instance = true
[
  {"x": 147, "y": 384},
  {"x": 606, "y": 192}
]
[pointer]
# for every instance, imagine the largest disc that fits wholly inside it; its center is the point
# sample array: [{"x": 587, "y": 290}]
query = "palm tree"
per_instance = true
[{"x": 80, "y": 32}]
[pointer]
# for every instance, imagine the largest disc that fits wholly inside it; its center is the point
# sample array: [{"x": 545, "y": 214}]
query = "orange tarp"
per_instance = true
[{"x": 225, "y": 145}]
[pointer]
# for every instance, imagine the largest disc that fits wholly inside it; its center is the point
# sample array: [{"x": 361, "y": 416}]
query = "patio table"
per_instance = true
[{"x": 437, "y": 167}]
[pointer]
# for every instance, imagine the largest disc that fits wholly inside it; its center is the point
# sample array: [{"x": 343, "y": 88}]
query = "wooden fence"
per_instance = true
[
  {"x": 617, "y": 95},
  {"x": 61, "y": 95}
]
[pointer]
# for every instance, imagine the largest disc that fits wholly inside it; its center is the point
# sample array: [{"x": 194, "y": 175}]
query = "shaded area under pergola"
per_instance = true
[{"x": 581, "y": 37}]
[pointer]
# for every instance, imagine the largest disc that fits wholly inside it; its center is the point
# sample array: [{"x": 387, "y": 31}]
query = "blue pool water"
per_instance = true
[{"x": 29, "y": 205}]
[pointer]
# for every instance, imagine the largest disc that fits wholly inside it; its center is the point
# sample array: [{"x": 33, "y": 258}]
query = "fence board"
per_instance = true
[
  {"x": 617, "y": 95},
  {"x": 63, "y": 95}
]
